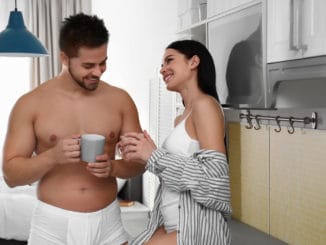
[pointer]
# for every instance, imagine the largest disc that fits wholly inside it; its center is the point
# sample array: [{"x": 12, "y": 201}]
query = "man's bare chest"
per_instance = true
[{"x": 60, "y": 121}]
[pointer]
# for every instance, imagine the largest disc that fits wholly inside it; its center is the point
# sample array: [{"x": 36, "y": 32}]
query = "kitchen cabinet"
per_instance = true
[
  {"x": 249, "y": 173},
  {"x": 298, "y": 186},
  {"x": 192, "y": 20},
  {"x": 195, "y": 32},
  {"x": 194, "y": 15},
  {"x": 235, "y": 42},
  {"x": 238, "y": 54},
  {"x": 278, "y": 183},
  {"x": 295, "y": 29},
  {"x": 216, "y": 7}
]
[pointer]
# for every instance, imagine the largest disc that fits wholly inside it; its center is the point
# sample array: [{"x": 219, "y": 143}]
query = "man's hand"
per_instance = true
[
  {"x": 101, "y": 168},
  {"x": 67, "y": 150}
]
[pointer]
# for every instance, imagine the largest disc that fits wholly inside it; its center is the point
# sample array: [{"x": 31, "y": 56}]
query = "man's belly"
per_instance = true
[{"x": 74, "y": 188}]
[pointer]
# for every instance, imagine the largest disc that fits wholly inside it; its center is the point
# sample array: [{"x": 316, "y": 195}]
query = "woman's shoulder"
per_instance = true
[{"x": 207, "y": 104}]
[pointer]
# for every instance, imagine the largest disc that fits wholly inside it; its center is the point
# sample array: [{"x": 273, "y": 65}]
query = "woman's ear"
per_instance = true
[{"x": 194, "y": 61}]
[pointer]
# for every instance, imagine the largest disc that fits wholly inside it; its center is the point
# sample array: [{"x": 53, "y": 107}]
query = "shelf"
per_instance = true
[
  {"x": 202, "y": 23},
  {"x": 193, "y": 26}
]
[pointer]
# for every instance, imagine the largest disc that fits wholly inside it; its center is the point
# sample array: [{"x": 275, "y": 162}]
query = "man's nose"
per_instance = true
[{"x": 97, "y": 71}]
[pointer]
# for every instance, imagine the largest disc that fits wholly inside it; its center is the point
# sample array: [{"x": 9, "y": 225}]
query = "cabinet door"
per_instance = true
[
  {"x": 314, "y": 31},
  {"x": 278, "y": 31},
  {"x": 216, "y": 7},
  {"x": 295, "y": 29},
  {"x": 298, "y": 186},
  {"x": 238, "y": 57},
  {"x": 248, "y": 151}
]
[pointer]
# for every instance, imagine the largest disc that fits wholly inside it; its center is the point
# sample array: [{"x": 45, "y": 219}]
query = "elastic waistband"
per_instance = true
[{"x": 60, "y": 211}]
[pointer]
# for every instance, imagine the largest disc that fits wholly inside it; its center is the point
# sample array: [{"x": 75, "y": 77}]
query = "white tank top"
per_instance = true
[{"x": 178, "y": 142}]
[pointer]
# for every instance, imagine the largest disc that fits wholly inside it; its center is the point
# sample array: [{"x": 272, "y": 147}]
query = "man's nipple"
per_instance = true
[
  {"x": 112, "y": 135},
  {"x": 53, "y": 138}
]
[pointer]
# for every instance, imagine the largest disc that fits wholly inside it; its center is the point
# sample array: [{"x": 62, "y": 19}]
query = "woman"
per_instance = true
[{"x": 193, "y": 200}]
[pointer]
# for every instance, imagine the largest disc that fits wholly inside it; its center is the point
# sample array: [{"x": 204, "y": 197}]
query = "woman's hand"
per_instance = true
[{"x": 136, "y": 146}]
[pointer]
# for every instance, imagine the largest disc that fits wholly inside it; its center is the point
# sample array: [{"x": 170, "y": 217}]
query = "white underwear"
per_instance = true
[
  {"x": 169, "y": 209},
  {"x": 55, "y": 226}
]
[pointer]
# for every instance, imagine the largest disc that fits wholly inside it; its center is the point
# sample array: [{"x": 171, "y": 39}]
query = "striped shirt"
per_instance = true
[{"x": 204, "y": 206}]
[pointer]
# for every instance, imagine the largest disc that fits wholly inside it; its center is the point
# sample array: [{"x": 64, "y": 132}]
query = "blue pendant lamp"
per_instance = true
[{"x": 17, "y": 41}]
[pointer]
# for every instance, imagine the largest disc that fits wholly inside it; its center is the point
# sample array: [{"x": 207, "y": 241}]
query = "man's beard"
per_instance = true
[{"x": 81, "y": 83}]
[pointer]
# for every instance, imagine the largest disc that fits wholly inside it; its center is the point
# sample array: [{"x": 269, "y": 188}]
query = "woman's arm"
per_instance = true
[{"x": 205, "y": 175}]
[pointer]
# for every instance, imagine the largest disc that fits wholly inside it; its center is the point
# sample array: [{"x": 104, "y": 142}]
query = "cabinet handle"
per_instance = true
[
  {"x": 301, "y": 45},
  {"x": 293, "y": 25},
  {"x": 296, "y": 26}
]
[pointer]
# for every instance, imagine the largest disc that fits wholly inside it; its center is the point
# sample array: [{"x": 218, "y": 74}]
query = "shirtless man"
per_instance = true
[{"x": 77, "y": 200}]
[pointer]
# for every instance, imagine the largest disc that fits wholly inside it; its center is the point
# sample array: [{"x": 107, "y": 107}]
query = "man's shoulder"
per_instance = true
[
  {"x": 115, "y": 90},
  {"x": 35, "y": 94},
  {"x": 112, "y": 87}
]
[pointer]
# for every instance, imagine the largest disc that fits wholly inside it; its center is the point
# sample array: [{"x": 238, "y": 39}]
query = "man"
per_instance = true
[{"x": 77, "y": 200}]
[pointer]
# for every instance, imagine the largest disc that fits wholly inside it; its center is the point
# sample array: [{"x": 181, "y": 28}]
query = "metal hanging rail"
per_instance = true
[{"x": 257, "y": 118}]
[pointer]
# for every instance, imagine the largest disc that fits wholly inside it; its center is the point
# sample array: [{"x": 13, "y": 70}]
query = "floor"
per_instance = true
[
  {"x": 135, "y": 220},
  {"x": 243, "y": 234}
]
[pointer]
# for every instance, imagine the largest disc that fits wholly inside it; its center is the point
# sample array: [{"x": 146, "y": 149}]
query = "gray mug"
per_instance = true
[{"x": 91, "y": 145}]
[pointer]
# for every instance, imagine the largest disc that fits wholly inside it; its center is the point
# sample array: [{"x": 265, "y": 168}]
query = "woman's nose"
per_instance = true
[{"x": 162, "y": 70}]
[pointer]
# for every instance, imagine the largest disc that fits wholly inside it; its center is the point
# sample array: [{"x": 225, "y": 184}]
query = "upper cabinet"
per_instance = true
[
  {"x": 215, "y": 7},
  {"x": 192, "y": 16},
  {"x": 235, "y": 42},
  {"x": 295, "y": 29},
  {"x": 232, "y": 31}
]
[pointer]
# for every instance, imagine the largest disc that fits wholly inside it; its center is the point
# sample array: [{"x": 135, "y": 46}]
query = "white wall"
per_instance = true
[{"x": 139, "y": 32}]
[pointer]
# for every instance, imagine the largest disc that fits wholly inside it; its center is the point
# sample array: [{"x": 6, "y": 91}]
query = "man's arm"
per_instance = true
[
  {"x": 130, "y": 123},
  {"x": 19, "y": 167}
]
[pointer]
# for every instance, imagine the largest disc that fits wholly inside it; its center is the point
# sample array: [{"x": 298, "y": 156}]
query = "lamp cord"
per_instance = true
[{"x": 15, "y": 5}]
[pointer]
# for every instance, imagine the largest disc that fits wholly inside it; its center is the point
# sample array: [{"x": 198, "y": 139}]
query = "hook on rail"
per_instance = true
[
  {"x": 249, "y": 121},
  {"x": 258, "y": 118},
  {"x": 291, "y": 128},
  {"x": 257, "y": 126},
  {"x": 278, "y": 122}
]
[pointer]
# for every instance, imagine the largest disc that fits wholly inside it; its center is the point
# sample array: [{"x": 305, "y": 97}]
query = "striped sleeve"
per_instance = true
[{"x": 205, "y": 174}]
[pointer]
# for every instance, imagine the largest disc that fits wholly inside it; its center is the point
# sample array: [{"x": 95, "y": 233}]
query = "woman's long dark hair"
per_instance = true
[{"x": 206, "y": 67}]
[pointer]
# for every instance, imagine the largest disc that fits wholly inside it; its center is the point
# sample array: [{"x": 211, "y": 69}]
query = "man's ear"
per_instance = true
[
  {"x": 194, "y": 61},
  {"x": 64, "y": 58}
]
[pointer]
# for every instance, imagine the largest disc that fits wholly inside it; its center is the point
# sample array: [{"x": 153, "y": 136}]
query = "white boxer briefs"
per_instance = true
[{"x": 55, "y": 226}]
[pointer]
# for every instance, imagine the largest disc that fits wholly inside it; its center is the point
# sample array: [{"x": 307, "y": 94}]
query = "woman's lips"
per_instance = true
[{"x": 167, "y": 77}]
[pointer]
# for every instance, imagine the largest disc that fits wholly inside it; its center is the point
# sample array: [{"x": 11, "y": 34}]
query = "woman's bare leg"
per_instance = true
[{"x": 160, "y": 237}]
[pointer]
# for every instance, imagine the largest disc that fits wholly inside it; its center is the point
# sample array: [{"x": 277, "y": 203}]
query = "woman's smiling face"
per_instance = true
[{"x": 175, "y": 69}]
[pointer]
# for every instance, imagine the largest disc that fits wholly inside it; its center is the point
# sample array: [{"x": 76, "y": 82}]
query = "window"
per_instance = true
[{"x": 15, "y": 81}]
